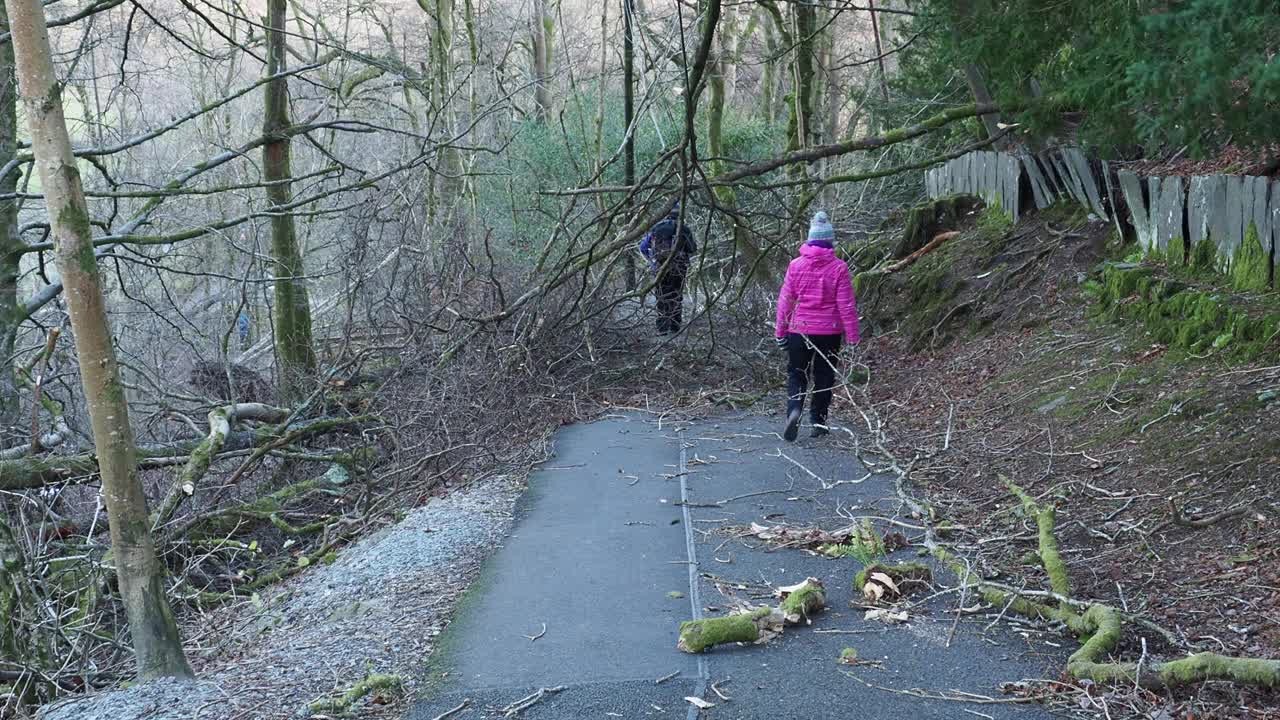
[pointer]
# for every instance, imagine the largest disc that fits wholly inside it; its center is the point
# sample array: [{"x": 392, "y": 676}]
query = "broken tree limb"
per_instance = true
[
  {"x": 341, "y": 705},
  {"x": 33, "y": 472},
  {"x": 748, "y": 627},
  {"x": 799, "y": 602},
  {"x": 906, "y": 262},
  {"x": 1204, "y": 522},
  {"x": 1045, "y": 517},
  {"x": 221, "y": 420},
  {"x": 1102, "y": 626}
]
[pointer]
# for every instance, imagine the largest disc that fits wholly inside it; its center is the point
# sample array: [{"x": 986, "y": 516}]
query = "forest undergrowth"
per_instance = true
[{"x": 992, "y": 362}]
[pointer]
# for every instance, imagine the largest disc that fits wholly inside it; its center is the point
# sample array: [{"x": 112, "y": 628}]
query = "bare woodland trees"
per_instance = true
[
  {"x": 403, "y": 202},
  {"x": 154, "y": 632}
]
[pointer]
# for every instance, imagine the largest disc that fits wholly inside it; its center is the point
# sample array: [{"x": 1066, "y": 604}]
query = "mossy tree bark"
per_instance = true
[
  {"x": 155, "y": 634},
  {"x": 802, "y": 130},
  {"x": 10, "y": 244},
  {"x": 292, "y": 302},
  {"x": 701, "y": 635}
]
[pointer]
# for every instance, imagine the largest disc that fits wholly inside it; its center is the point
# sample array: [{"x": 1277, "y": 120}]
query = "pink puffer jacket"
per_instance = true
[{"x": 817, "y": 296}]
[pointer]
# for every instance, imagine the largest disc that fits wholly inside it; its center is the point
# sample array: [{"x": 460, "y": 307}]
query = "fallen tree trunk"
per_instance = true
[
  {"x": 1102, "y": 626},
  {"x": 908, "y": 260},
  {"x": 35, "y": 472},
  {"x": 749, "y": 627},
  {"x": 797, "y": 603},
  {"x": 221, "y": 420}
]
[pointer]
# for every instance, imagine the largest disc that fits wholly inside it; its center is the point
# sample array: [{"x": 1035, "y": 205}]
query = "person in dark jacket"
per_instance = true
[{"x": 668, "y": 246}]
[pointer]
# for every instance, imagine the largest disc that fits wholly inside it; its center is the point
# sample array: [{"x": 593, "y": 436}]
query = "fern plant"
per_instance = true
[{"x": 865, "y": 544}]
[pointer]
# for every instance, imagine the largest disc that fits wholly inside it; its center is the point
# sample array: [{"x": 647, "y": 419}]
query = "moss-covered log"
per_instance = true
[
  {"x": 221, "y": 420},
  {"x": 700, "y": 635},
  {"x": 1101, "y": 627},
  {"x": 800, "y": 602},
  {"x": 342, "y": 705},
  {"x": 269, "y": 508},
  {"x": 34, "y": 472},
  {"x": 1045, "y": 517}
]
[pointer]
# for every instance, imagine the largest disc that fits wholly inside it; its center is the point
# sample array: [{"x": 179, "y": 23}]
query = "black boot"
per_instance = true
[
  {"x": 819, "y": 429},
  {"x": 793, "y": 426}
]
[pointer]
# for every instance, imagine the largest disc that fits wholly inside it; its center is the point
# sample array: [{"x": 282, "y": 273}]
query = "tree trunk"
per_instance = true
[
  {"x": 875, "y": 30},
  {"x": 10, "y": 243},
  {"x": 726, "y": 195},
  {"x": 292, "y": 303},
  {"x": 769, "y": 76},
  {"x": 982, "y": 96},
  {"x": 629, "y": 116},
  {"x": 155, "y": 634},
  {"x": 541, "y": 60},
  {"x": 442, "y": 79},
  {"x": 802, "y": 125}
]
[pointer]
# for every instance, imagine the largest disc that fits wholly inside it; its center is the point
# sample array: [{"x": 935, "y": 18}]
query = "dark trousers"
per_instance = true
[
  {"x": 812, "y": 357},
  {"x": 670, "y": 297}
]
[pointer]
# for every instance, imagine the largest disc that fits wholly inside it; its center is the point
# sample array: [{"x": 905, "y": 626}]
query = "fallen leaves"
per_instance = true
[
  {"x": 796, "y": 537},
  {"x": 884, "y": 615},
  {"x": 878, "y": 585},
  {"x": 699, "y": 703}
]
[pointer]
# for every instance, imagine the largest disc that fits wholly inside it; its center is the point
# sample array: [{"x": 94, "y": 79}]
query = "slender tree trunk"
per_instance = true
[
  {"x": 769, "y": 77},
  {"x": 442, "y": 78},
  {"x": 805, "y": 27},
  {"x": 728, "y": 61},
  {"x": 629, "y": 115},
  {"x": 155, "y": 634},
  {"x": 982, "y": 96},
  {"x": 726, "y": 195},
  {"x": 10, "y": 243},
  {"x": 541, "y": 60},
  {"x": 875, "y": 30},
  {"x": 800, "y": 125},
  {"x": 292, "y": 302}
]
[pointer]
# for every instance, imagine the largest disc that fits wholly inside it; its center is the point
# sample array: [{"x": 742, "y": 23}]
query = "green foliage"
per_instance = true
[
  {"x": 1194, "y": 72},
  {"x": 865, "y": 545},
  {"x": 993, "y": 223},
  {"x": 562, "y": 154},
  {"x": 1194, "y": 319}
]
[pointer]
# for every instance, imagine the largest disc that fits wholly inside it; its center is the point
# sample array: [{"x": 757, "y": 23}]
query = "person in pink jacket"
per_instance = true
[{"x": 816, "y": 313}]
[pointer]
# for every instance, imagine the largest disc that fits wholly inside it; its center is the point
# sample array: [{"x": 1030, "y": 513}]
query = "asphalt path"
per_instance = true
[{"x": 635, "y": 526}]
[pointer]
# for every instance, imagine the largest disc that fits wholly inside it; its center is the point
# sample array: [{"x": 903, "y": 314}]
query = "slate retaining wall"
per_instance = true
[{"x": 1175, "y": 216}]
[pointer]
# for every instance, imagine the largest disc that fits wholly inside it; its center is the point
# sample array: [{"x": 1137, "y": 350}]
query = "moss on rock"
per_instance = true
[{"x": 1251, "y": 267}]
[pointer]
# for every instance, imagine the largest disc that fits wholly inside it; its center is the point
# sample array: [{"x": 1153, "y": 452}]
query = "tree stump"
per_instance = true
[{"x": 926, "y": 220}]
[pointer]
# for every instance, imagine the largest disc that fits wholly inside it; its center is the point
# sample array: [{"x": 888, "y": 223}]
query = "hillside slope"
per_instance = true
[{"x": 1030, "y": 354}]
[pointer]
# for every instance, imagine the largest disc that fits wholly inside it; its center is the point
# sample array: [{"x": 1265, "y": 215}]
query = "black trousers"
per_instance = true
[
  {"x": 812, "y": 357},
  {"x": 670, "y": 300}
]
